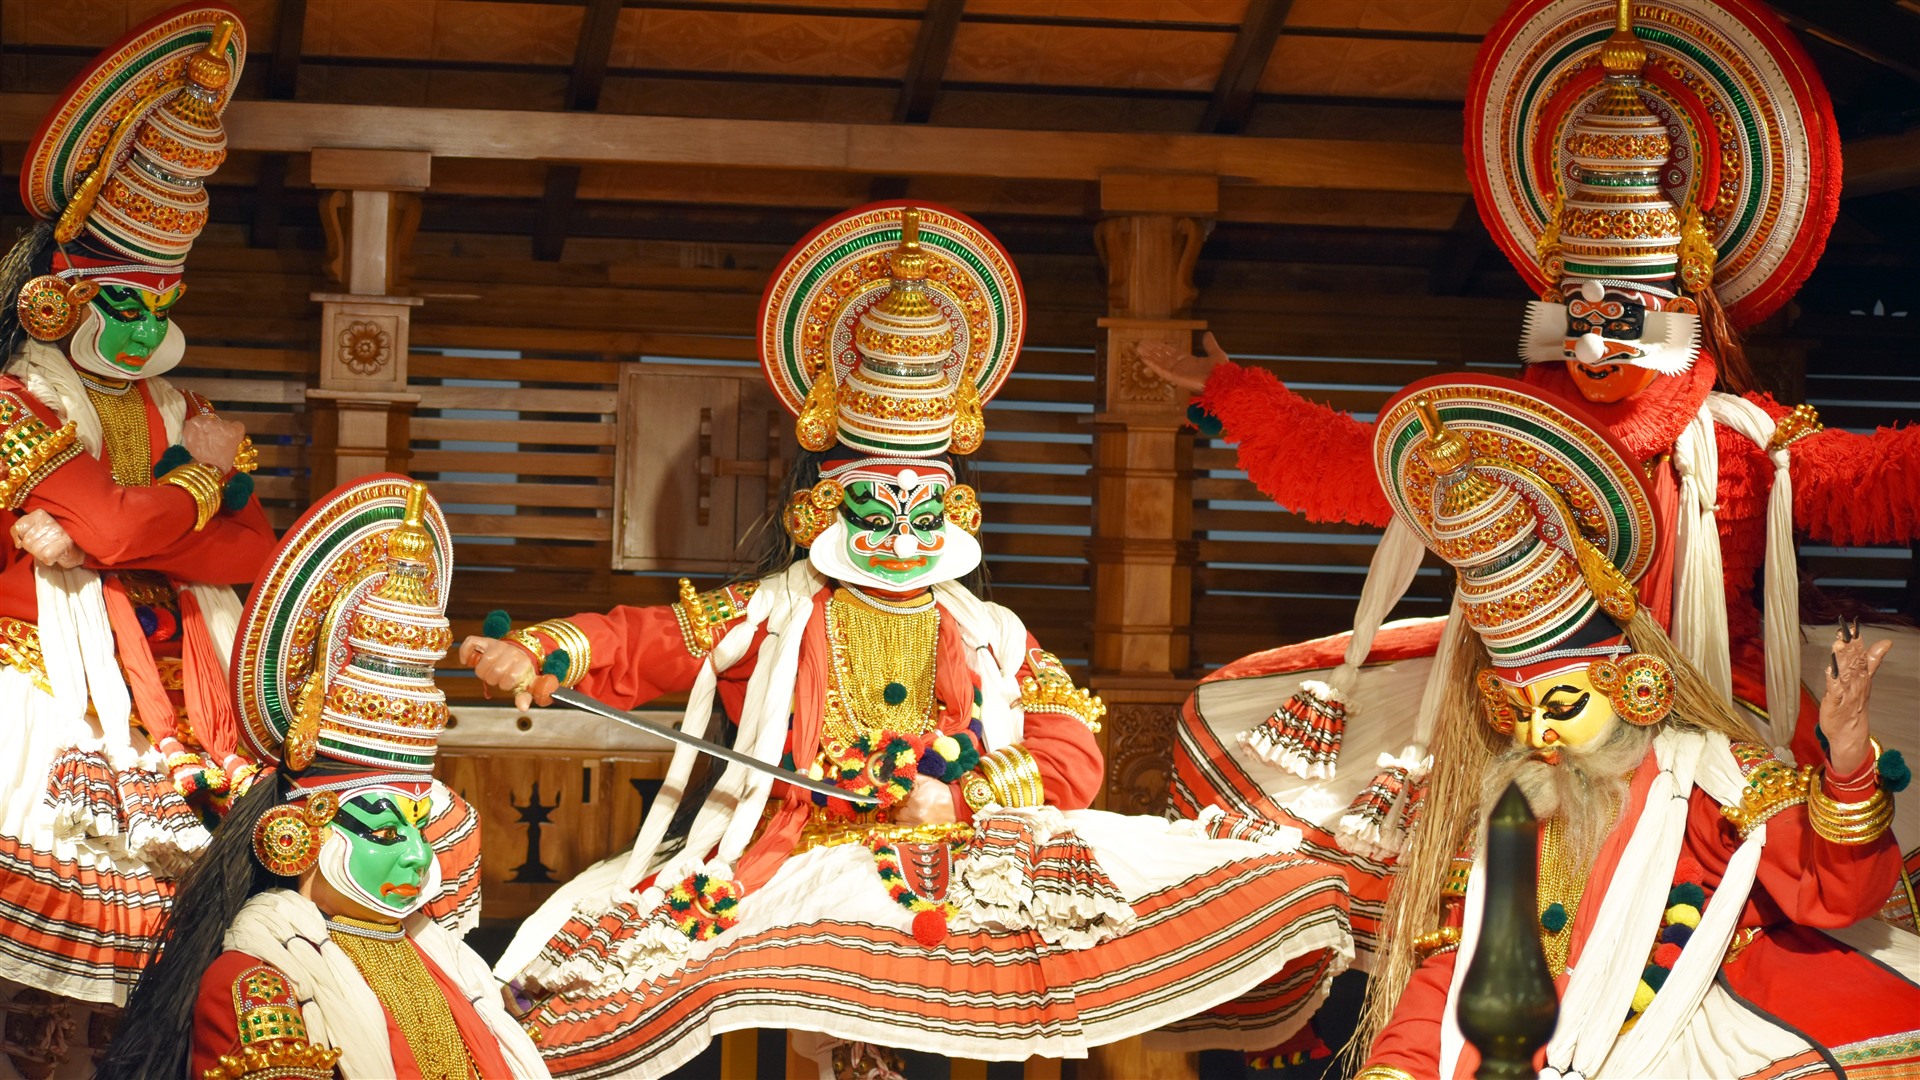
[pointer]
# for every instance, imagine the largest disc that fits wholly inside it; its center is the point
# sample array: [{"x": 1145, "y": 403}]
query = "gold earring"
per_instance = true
[
  {"x": 810, "y": 512},
  {"x": 1641, "y": 687},
  {"x": 1494, "y": 704},
  {"x": 50, "y": 308}
]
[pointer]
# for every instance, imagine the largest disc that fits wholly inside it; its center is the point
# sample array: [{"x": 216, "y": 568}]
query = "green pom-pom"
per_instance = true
[
  {"x": 1205, "y": 422},
  {"x": 556, "y": 664},
  {"x": 1895, "y": 774},
  {"x": 1687, "y": 893},
  {"x": 238, "y": 490},
  {"x": 1554, "y": 919},
  {"x": 894, "y": 694},
  {"x": 175, "y": 456},
  {"x": 1655, "y": 976},
  {"x": 496, "y": 624}
]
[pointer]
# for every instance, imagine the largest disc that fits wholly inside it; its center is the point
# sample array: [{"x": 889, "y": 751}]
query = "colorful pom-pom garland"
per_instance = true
[
  {"x": 704, "y": 907},
  {"x": 931, "y": 918},
  {"x": 883, "y": 765},
  {"x": 1686, "y": 898}
]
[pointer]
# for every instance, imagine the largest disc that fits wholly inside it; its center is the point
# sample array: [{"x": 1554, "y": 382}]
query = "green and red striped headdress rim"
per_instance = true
[
  {"x": 331, "y": 558},
  {"x": 73, "y": 135},
  {"x": 1755, "y": 144},
  {"x": 814, "y": 300}
]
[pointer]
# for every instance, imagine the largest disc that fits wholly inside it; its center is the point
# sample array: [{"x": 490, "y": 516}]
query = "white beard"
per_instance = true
[
  {"x": 829, "y": 556},
  {"x": 84, "y": 350},
  {"x": 1586, "y": 790}
]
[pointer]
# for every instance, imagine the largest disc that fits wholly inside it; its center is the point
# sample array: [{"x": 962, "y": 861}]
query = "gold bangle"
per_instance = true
[
  {"x": 526, "y": 639},
  {"x": 203, "y": 483},
  {"x": 1014, "y": 776},
  {"x": 1383, "y": 1072},
  {"x": 1445, "y": 939},
  {"x": 978, "y": 793},
  {"x": 1849, "y": 823},
  {"x": 573, "y": 641}
]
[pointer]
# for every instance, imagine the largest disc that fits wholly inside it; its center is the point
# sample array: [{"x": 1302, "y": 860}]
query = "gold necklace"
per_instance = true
[
  {"x": 399, "y": 978},
  {"x": 1562, "y": 879},
  {"x": 123, "y": 430},
  {"x": 883, "y": 668}
]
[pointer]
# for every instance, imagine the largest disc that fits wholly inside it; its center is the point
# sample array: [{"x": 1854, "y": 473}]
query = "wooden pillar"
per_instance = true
[
  {"x": 1143, "y": 549},
  {"x": 361, "y": 407}
]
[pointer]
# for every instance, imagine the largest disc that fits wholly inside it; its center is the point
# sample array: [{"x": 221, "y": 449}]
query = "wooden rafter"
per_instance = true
[
  {"x": 931, "y": 48},
  {"x": 283, "y": 81},
  {"x": 1460, "y": 254},
  {"x": 1240, "y": 76},
  {"x": 1879, "y": 30},
  {"x": 589, "y": 75}
]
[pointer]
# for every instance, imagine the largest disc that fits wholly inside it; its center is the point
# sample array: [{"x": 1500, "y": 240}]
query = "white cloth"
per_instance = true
[{"x": 285, "y": 930}]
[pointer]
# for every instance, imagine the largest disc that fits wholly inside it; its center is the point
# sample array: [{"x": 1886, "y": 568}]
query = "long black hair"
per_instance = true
[
  {"x": 771, "y": 551},
  {"x": 155, "y": 1036},
  {"x": 30, "y": 256}
]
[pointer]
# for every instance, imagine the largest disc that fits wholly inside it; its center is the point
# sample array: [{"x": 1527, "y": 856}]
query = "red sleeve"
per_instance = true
[
  {"x": 640, "y": 653},
  {"x": 231, "y": 550},
  {"x": 1812, "y": 880},
  {"x": 1308, "y": 457},
  {"x": 1852, "y": 490},
  {"x": 1411, "y": 1039},
  {"x": 1062, "y": 744},
  {"x": 247, "y": 1005}
]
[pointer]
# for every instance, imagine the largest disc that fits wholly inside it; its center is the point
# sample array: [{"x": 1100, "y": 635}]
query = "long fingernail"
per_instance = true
[{"x": 1833, "y": 666}]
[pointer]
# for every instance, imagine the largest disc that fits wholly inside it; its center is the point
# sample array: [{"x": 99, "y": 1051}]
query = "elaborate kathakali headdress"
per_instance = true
[
  {"x": 120, "y": 164},
  {"x": 1639, "y": 162},
  {"x": 335, "y": 656},
  {"x": 887, "y": 330},
  {"x": 1544, "y": 519}
]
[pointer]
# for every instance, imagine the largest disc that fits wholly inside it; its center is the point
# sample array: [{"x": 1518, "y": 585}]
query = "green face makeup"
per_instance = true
[
  {"x": 893, "y": 533},
  {"x": 134, "y": 323},
  {"x": 388, "y": 857}
]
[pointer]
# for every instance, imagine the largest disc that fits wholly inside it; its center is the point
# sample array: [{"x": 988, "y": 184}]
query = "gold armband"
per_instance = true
[
  {"x": 1013, "y": 776},
  {"x": 566, "y": 637},
  {"x": 1796, "y": 425},
  {"x": 1383, "y": 1072},
  {"x": 978, "y": 793},
  {"x": 1849, "y": 823},
  {"x": 705, "y": 616},
  {"x": 1051, "y": 689},
  {"x": 1772, "y": 786},
  {"x": 203, "y": 482},
  {"x": 30, "y": 450}
]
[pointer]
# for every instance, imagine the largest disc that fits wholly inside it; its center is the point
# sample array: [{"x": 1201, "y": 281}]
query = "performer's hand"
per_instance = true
[
  {"x": 930, "y": 801},
  {"x": 506, "y": 667},
  {"x": 213, "y": 441},
  {"x": 1843, "y": 711},
  {"x": 43, "y": 538},
  {"x": 1184, "y": 370}
]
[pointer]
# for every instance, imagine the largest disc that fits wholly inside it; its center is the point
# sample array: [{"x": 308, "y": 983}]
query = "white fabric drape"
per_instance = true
[{"x": 1781, "y": 576}]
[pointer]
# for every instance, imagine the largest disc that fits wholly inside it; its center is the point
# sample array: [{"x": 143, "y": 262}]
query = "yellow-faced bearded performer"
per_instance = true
[{"x": 1685, "y": 873}]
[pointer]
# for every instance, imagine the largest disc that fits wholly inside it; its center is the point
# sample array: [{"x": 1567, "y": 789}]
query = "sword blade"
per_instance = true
[{"x": 672, "y": 734}]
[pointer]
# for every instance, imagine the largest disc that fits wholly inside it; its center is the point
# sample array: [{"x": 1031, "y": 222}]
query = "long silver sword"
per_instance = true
[{"x": 672, "y": 734}]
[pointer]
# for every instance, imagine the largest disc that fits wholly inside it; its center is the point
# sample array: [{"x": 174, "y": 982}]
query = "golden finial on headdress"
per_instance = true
[
  {"x": 1444, "y": 451},
  {"x": 410, "y": 554},
  {"x": 1623, "y": 56}
]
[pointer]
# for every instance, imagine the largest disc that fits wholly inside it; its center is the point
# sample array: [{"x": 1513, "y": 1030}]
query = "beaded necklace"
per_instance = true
[
  {"x": 882, "y": 676},
  {"x": 123, "y": 429},
  {"x": 399, "y": 978}
]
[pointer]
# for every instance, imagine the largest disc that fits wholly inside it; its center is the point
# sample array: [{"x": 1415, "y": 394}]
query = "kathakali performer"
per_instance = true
[
  {"x": 981, "y": 911},
  {"x": 1662, "y": 173},
  {"x": 128, "y": 516},
  {"x": 300, "y": 946},
  {"x": 1686, "y": 874}
]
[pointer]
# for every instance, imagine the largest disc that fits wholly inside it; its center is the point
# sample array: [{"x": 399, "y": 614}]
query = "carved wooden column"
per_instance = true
[
  {"x": 361, "y": 407},
  {"x": 1142, "y": 549}
]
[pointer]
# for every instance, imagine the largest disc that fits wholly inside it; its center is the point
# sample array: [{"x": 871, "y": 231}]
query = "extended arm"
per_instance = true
[{"x": 1853, "y": 489}]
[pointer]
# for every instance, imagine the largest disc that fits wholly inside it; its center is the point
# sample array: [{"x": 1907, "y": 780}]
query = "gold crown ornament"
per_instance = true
[
  {"x": 886, "y": 330},
  {"x": 1542, "y": 515},
  {"x": 120, "y": 165},
  {"x": 336, "y": 652},
  {"x": 1625, "y": 143}
]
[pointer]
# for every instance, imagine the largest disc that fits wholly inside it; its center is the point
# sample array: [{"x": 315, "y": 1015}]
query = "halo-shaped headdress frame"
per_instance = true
[
  {"x": 124, "y": 76},
  {"x": 814, "y": 301},
  {"x": 1754, "y": 143},
  {"x": 331, "y": 559},
  {"x": 1509, "y": 423}
]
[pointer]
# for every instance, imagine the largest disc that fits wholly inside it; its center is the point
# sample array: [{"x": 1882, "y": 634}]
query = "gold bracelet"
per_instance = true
[
  {"x": 203, "y": 483},
  {"x": 1849, "y": 823},
  {"x": 1383, "y": 1072},
  {"x": 574, "y": 642},
  {"x": 1445, "y": 939},
  {"x": 1014, "y": 777},
  {"x": 525, "y": 638},
  {"x": 978, "y": 793}
]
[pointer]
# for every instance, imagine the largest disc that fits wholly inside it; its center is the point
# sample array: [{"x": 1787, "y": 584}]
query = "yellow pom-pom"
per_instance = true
[
  {"x": 947, "y": 747},
  {"x": 1642, "y": 997},
  {"x": 1684, "y": 915},
  {"x": 815, "y": 772}
]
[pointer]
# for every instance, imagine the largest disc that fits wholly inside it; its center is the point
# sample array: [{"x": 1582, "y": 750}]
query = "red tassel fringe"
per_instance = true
[{"x": 1308, "y": 457}]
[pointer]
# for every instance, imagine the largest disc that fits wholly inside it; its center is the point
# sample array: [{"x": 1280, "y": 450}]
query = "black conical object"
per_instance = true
[{"x": 1507, "y": 1003}]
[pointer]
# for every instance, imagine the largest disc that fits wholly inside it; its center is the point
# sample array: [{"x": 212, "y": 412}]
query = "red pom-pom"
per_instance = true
[
  {"x": 930, "y": 926},
  {"x": 1666, "y": 955},
  {"x": 1688, "y": 870}
]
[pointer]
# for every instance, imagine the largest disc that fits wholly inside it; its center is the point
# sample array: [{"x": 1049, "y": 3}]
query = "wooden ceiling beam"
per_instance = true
[
  {"x": 1246, "y": 62},
  {"x": 591, "y": 54},
  {"x": 1879, "y": 30},
  {"x": 932, "y": 46},
  {"x": 1460, "y": 254},
  {"x": 869, "y": 149},
  {"x": 283, "y": 82}
]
